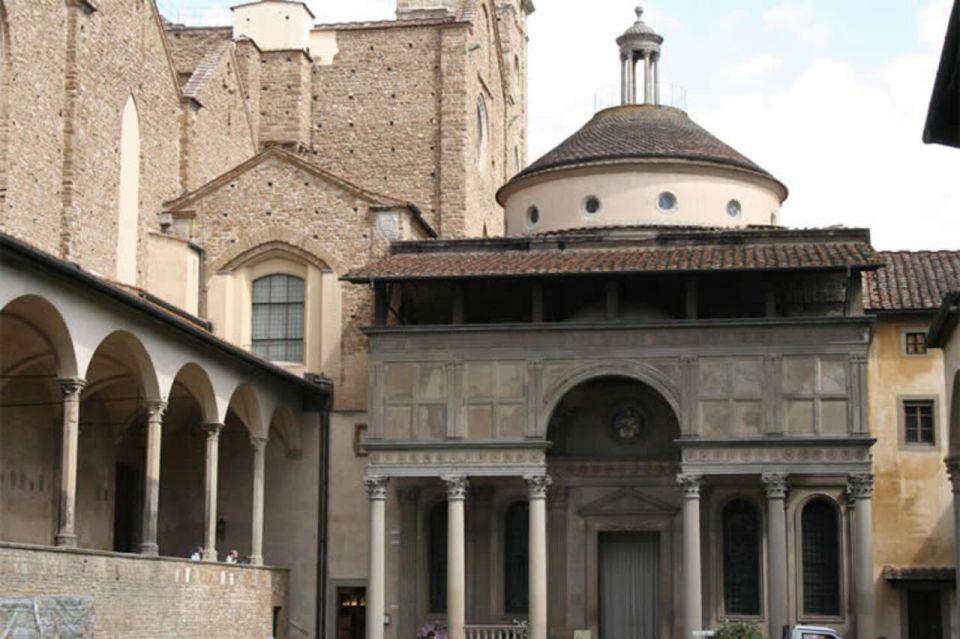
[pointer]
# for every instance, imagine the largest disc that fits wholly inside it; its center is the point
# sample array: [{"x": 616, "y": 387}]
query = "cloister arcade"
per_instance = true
[{"x": 117, "y": 434}]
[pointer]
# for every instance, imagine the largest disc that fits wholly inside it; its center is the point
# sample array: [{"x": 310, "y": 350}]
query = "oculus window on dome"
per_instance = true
[
  {"x": 592, "y": 205},
  {"x": 533, "y": 216},
  {"x": 734, "y": 209},
  {"x": 667, "y": 202}
]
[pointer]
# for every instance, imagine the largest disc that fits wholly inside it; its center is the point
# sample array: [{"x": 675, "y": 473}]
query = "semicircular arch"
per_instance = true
[
  {"x": 123, "y": 346},
  {"x": 41, "y": 317},
  {"x": 196, "y": 382},
  {"x": 296, "y": 242},
  {"x": 643, "y": 373},
  {"x": 245, "y": 404},
  {"x": 285, "y": 425}
]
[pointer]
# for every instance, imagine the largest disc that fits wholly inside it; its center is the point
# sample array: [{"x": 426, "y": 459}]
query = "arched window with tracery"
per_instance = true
[
  {"x": 278, "y": 313},
  {"x": 820, "y": 550},
  {"x": 516, "y": 557},
  {"x": 437, "y": 557},
  {"x": 741, "y": 558}
]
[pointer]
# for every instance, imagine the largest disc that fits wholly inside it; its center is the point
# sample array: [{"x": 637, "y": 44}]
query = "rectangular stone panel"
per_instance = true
[
  {"x": 431, "y": 421},
  {"x": 513, "y": 419},
  {"x": 833, "y": 375},
  {"x": 833, "y": 417},
  {"x": 399, "y": 382},
  {"x": 713, "y": 377},
  {"x": 800, "y": 375},
  {"x": 510, "y": 381},
  {"x": 747, "y": 419},
  {"x": 479, "y": 381},
  {"x": 480, "y": 422},
  {"x": 398, "y": 422},
  {"x": 747, "y": 377},
  {"x": 714, "y": 418},
  {"x": 799, "y": 414},
  {"x": 432, "y": 382}
]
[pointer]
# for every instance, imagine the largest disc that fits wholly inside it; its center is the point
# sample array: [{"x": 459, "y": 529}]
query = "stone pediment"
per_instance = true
[{"x": 627, "y": 502}]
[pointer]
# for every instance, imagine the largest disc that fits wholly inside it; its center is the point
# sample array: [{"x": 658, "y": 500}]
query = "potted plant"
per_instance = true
[{"x": 738, "y": 630}]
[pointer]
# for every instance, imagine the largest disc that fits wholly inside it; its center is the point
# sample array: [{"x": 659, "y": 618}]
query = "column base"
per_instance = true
[
  {"x": 209, "y": 554},
  {"x": 150, "y": 550},
  {"x": 66, "y": 541}
]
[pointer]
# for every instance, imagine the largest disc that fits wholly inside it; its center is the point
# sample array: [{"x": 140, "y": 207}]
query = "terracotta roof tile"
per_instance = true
[
  {"x": 640, "y": 132},
  {"x": 627, "y": 259},
  {"x": 912, "y": 281}
]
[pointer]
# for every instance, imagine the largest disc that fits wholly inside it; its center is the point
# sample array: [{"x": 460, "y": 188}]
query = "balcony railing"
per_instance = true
[
  {"x": 497, "y": 631},
  {"x": 670, "y": 95}
]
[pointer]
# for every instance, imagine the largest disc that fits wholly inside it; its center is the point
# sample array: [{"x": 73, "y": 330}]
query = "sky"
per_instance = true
[{"x": 828, "y": 95}]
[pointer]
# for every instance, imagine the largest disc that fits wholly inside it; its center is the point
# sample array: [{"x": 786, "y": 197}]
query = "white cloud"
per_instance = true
[
  {"x": 798, "y": 18},
  {"x": 849, "y": 148},
  {"x": 757, "y": 66},
  {"x": 933, "y": 21}
]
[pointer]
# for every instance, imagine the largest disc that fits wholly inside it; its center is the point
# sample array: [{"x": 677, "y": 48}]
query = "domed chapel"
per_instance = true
[{"x": 295, "y": 342}]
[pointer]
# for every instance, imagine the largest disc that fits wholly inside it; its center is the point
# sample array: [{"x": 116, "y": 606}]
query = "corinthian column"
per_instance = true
[
  {"x": 456, "y": 557},
  {"x": 860, "y": 489},
  {"x": 151, "y": 484},
  {"x": 66, "y": 531},
  {"x": 692, "y": 589},
  {"x": 376, "y": 577},
  {"x": 212, "y": 458},
  {"x": 537, "y": 555},
  {"x": 776, "y": 485}
]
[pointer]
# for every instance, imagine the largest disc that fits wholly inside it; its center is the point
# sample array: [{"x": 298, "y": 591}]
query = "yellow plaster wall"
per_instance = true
[{"x": 912, "y": 517}]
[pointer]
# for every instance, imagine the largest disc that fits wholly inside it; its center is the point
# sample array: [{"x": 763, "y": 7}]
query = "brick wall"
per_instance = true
[
  {"x": 151, "y": 597},
  {"x": 35, "y": 93},
  {"x": 376, "y": 112},
  {"x": 217, "y": 119},
  {"x": 276, "y": 201},
  {"x": 285, "y": 98}
]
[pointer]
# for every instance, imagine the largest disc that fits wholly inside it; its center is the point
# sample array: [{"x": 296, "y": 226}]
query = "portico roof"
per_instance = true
[{"x": 636, "y": 250}]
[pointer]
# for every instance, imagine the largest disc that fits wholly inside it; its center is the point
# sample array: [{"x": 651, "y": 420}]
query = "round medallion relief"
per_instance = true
[{"x": 628, "y": 423}]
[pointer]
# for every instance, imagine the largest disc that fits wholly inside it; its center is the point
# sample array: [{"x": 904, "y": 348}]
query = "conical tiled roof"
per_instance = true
[{"x": 640, "y": 132}]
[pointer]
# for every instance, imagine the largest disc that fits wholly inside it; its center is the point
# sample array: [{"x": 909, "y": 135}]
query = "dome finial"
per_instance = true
[{"x": 639, "y": 12}]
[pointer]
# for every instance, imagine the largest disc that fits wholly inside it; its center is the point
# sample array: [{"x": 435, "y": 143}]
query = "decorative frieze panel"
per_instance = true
[
  {"x": 441, "y": 462},
  {"x": 619, "y": 470},
  {"x": 812, "y": 458}
]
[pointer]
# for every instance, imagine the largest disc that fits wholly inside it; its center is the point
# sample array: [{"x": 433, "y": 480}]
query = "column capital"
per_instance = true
[
  {"x": 71, "y": 386},
  {"x": 537, "y": 485},
  {"x": 860, "y": 485},
  {"x": 457, "y": 486},
  {"x": 376, "y": 487},
  {"x": 259, "y": 443},
  {"x": 690, "y": 483},
  {"x": 156, "y": 409},
  {"x": 212, "y": 429},
  {"x": 776, "y": 485}
]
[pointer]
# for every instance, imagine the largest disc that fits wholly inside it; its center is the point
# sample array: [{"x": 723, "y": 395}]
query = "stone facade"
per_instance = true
[{"x": 157, "y": 598}]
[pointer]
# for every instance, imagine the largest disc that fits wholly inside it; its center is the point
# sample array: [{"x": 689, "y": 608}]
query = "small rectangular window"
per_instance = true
[
  {"x": 918, "y": 421},
  {"x": 915, "y": 343}
]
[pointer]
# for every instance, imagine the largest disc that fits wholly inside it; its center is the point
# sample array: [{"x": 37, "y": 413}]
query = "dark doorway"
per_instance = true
[
  {"x": 351, "y": 613},
  {"x": 924, "y": 614},
  {"x": 629, "y": 585},
  {"x": 126, "y": 508}
]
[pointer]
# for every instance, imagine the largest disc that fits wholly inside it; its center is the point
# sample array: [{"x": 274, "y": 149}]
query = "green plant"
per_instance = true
[{"x": 738, "y": 630}]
